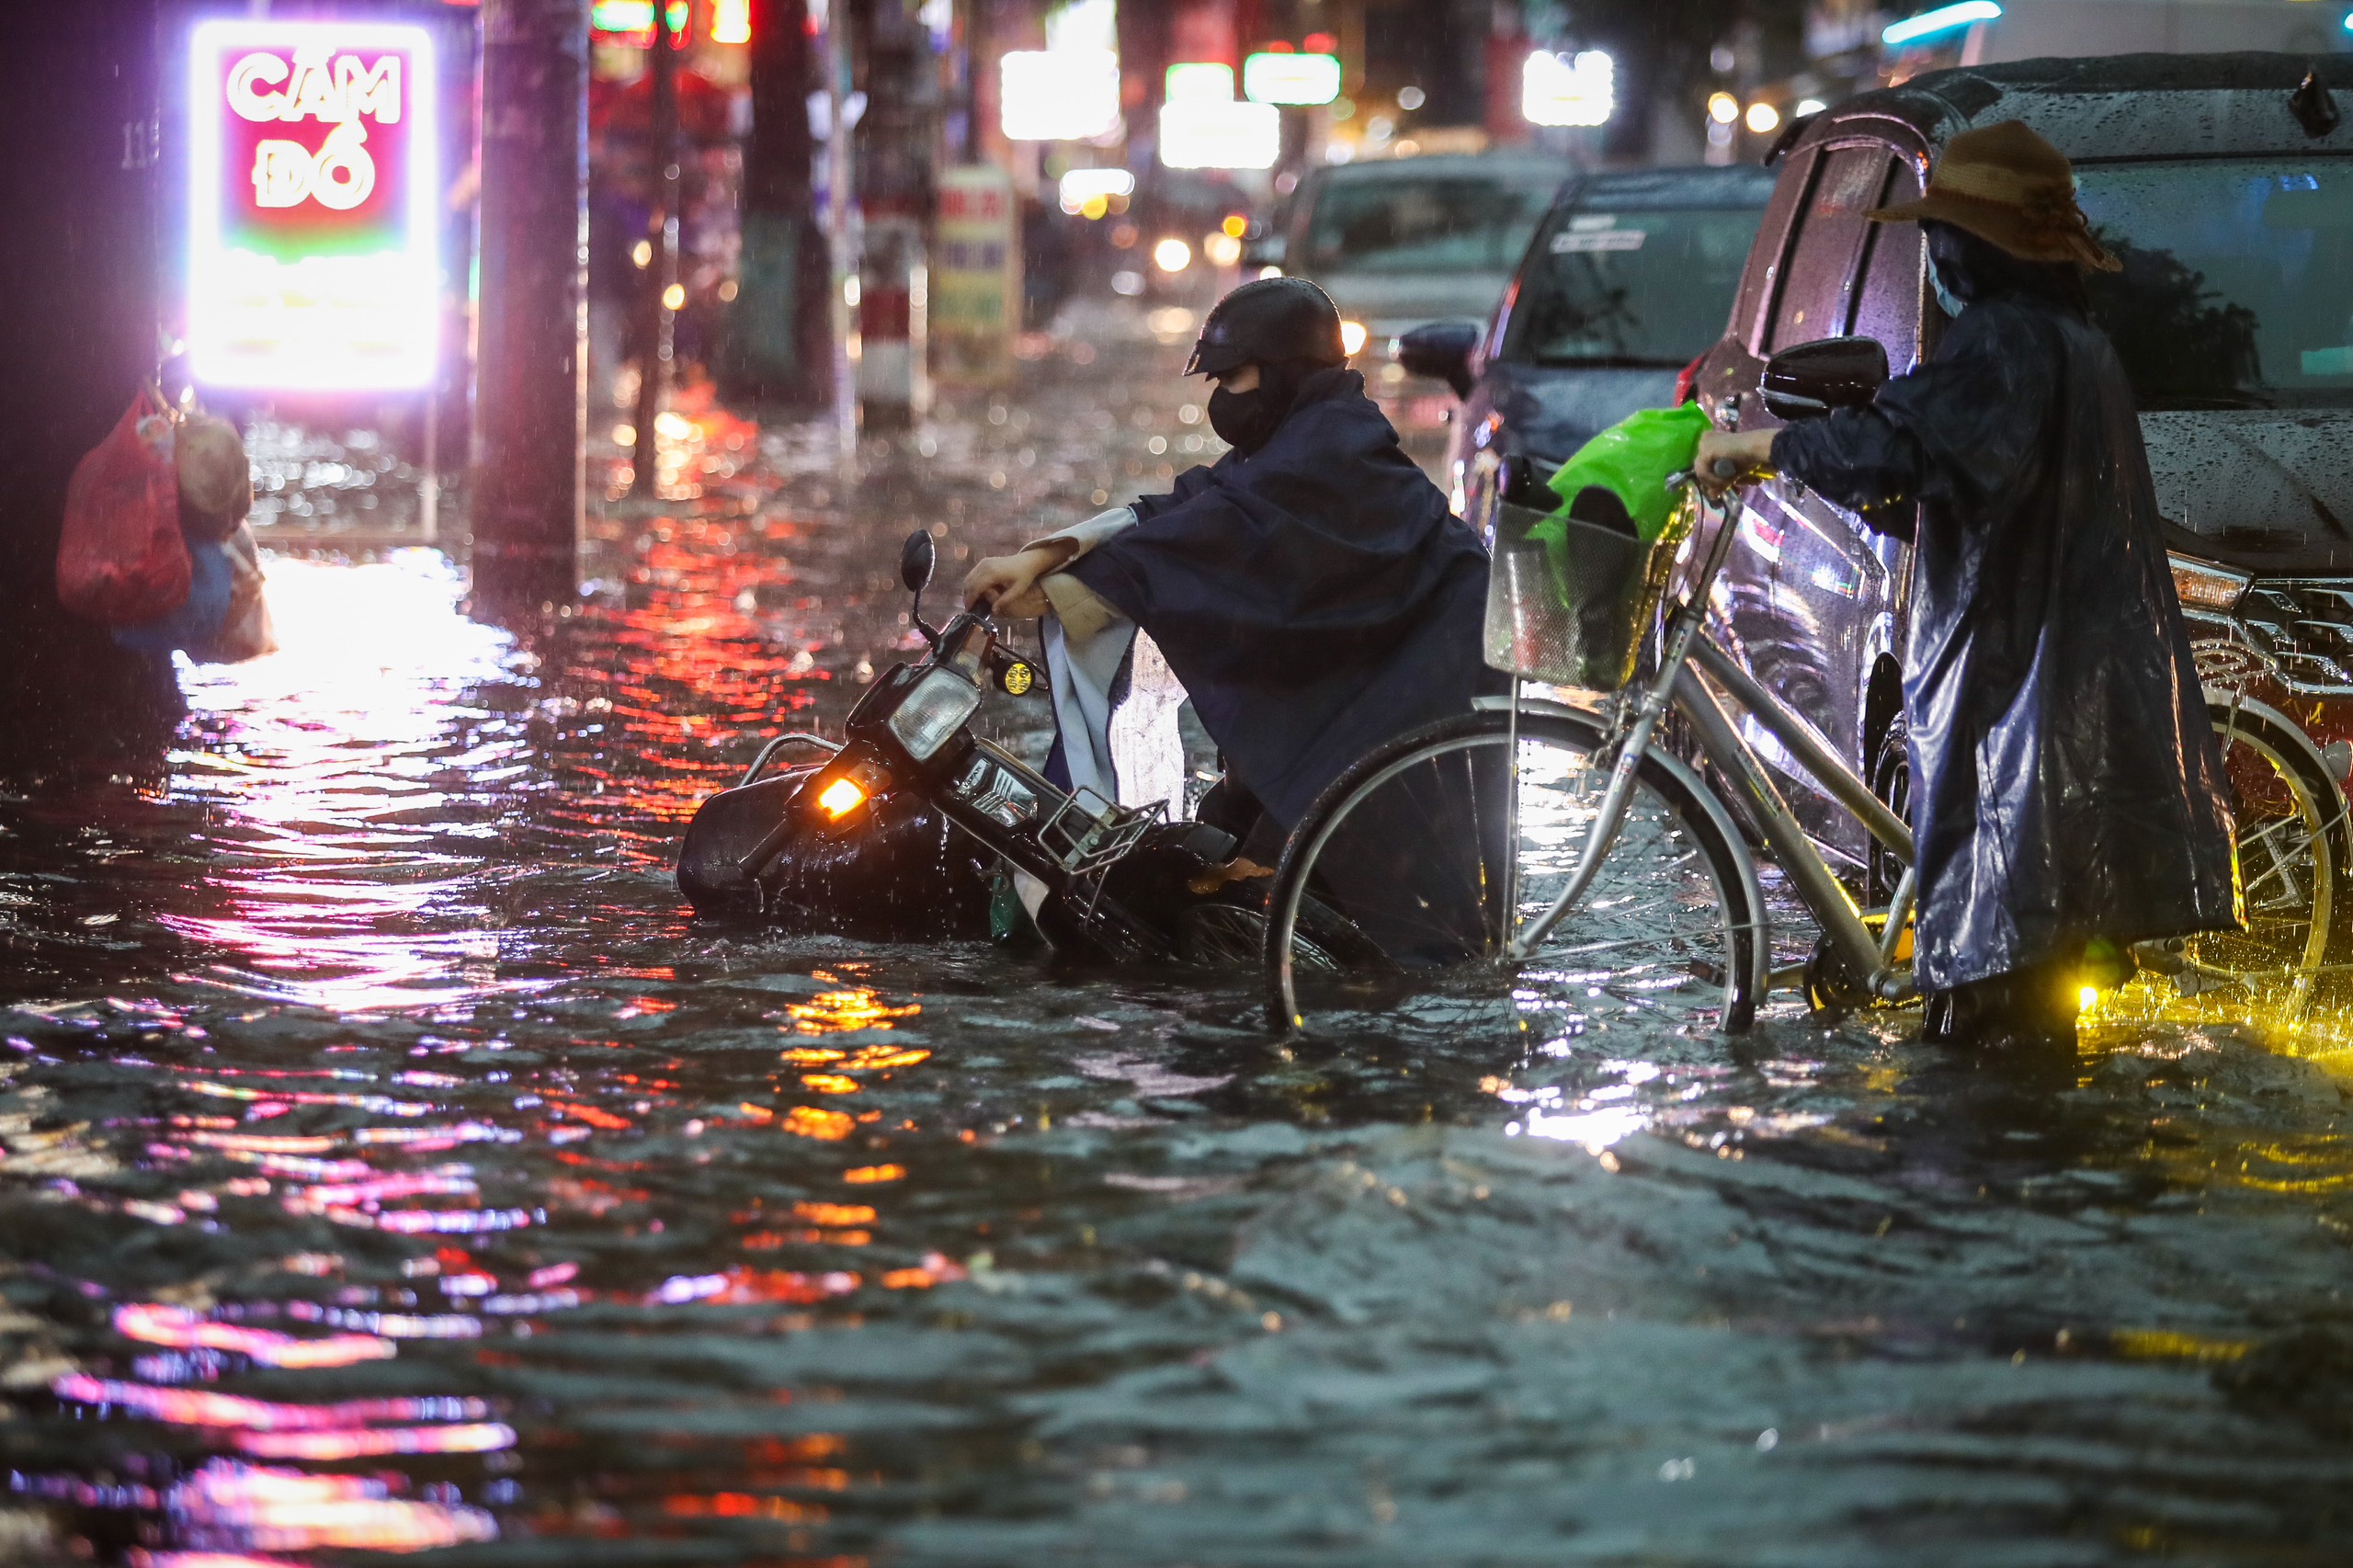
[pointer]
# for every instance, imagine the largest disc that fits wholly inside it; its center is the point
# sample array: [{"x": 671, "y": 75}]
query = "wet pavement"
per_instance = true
[{"x": 391, "y": 1167}]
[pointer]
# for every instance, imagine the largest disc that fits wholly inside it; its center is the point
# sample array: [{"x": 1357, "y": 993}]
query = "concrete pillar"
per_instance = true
[
  {"x": 80, "y": 263},
  {"x": 532, "y": 387}
]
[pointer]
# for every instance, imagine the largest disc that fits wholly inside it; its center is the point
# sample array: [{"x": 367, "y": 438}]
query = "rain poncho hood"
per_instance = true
[
  {"x": 1315, "y": 597},
  {"x": 2067, "y": 784}
]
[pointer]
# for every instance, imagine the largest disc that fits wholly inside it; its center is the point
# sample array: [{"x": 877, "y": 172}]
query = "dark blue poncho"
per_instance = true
[{"x": 1316, "y": 597}]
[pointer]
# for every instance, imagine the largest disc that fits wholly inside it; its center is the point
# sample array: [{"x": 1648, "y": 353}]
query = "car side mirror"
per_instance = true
[
  {"x": 1520, "y": 481},
  {"x": 1441, "y": 350},
  {"x": 1808, "y": 379},
  {"x": 916, "y": 559}
]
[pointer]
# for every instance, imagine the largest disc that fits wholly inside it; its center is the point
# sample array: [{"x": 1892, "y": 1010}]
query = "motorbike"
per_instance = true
[{"x": 913, "y": 827}]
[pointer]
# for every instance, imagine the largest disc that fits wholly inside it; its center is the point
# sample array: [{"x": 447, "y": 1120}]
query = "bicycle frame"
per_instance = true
[{"x": 1677, "y": 685}]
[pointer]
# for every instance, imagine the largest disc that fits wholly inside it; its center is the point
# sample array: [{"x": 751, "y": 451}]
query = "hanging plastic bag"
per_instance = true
[
  {"x": 1633, "y": 461},
  {"x": 246, "y": 631},
  {"x": 225, "y": 619},
  {"x": 120, "y": 559},
  {"x": 196, "y": 621}
]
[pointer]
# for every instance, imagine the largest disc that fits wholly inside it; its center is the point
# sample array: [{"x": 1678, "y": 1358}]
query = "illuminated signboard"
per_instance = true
[
  {"x": 312, "y": 234},
  {"x": 1059, "y": 94},
  {"x": 1291, "y": 78}
]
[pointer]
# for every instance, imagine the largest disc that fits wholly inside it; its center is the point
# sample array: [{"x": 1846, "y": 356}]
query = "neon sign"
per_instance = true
[{"x": 313, "y": 214}]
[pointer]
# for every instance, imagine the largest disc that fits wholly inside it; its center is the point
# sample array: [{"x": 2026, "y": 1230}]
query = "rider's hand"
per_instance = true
[
  {"x": 1008, "y": 583},
  {"x": 1746, "y": 451}
]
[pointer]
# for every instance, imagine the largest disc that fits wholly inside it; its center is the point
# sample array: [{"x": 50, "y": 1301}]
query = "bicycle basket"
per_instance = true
[{"x": 1572, "y": 613}]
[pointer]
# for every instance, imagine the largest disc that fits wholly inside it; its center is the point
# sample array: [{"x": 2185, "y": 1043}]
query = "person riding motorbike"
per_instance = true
[
  {"x": 2066, "y": 785},
  {"x": 1309, "y": 591}
]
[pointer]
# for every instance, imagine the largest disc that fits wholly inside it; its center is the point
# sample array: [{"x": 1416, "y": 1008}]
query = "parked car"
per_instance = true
[
  {"x": 2224, "y": 183},
  {"x": 1398, "y": 241},
  {"x": 1401, "y": 241},
  {"x": 1624, "y": 285}
]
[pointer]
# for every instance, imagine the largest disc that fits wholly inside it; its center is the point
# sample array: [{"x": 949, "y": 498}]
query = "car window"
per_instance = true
[
  {"x": 1440, "y": 221},
  {"x": 1887, "y": 307},
  {"x": 1814, "y": 290},
  {"x": 2237, "y": 281},
  {"x": 1628, "y": 286},
  {"x": 1765, "y": 259}
]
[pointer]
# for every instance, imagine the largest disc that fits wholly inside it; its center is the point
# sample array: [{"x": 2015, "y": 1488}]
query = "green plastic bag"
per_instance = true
[{"x": 1633, "y": 459}]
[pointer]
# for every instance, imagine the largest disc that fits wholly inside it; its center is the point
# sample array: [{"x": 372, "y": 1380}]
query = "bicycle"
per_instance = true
[{"x": 1554, "y": 862}]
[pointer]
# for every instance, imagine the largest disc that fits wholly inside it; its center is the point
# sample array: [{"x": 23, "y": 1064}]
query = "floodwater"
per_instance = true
[{"x": 393, "y": 1168}]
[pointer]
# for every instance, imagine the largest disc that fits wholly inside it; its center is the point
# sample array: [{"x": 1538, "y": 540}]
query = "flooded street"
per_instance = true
[{"x": 393, "y": 1166}]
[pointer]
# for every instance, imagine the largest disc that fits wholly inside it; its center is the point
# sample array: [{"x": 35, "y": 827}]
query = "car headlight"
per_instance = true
[{"x": 933, "y": 711}]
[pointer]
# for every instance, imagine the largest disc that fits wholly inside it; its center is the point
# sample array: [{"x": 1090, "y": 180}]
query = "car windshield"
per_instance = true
[
  {"x": 1454, "y": 221},
  {"x": 2237, "y": 285},
  {"x": 1629, "y": 288}
]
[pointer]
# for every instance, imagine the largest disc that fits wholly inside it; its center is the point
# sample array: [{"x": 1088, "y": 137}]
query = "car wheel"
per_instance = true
[{"x": 1891, "y": 781}]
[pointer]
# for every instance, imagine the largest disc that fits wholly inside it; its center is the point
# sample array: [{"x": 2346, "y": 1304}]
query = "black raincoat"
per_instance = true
[
  {"x": 1316, "y": 597},
  {"x": 2066, "y": 783}
]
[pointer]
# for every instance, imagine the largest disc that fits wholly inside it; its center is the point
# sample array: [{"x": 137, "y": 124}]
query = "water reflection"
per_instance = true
[{"x": 399, "y": 1170}]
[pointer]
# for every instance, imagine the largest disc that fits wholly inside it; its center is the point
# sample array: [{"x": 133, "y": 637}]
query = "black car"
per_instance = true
[
  {"x": 2224, "y": 184},
  {"x": 1625, "y": 283}
]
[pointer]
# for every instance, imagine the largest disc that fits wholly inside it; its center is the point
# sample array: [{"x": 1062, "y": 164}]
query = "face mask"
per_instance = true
[
  {"x": 1243, "y": 420},
  {"x": 1953, "y": 303}
]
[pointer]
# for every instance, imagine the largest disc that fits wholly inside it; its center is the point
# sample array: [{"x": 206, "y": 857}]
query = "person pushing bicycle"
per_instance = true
[{"x": 2067, "y": 785}]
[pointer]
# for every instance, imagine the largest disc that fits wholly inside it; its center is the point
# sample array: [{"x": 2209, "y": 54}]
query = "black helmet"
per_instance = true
[{"x": 1274, "y": 318}]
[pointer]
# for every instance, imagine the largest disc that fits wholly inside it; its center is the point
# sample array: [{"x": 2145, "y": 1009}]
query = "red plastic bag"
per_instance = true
[{"x": 121, "y": 560}]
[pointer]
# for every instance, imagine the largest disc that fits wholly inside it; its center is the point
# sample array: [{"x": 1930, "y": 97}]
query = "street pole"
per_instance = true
[
  {"x": 838, "y": 242},
  {"x": 894, "y": 194},
  {"x": 778, "y": 327},
  {"x": 662, "y": 270},
  {"x": 532, "y": 399}
]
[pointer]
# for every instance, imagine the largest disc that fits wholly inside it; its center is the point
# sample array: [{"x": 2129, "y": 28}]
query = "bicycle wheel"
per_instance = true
[
  {"x": 2289, "y": 865},
  {"x": 1418, "y": 850}
]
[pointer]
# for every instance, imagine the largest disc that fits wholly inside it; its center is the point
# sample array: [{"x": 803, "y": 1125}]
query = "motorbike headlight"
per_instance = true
[{"x": 933, "y": 711}]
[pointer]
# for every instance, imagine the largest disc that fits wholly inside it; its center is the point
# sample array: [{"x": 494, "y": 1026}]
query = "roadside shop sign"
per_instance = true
[
  {"x": 313, "y": 213},
  {"x": 975, "y": 284}
]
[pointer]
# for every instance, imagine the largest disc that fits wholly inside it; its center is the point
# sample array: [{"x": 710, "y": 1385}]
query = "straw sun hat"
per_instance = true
[{"x": 2010, "y": 188}]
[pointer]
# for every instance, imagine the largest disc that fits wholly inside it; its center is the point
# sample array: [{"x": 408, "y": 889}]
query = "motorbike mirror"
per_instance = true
[
  {"x": 1809, "y": 379},
  {"x": 1441, "y": 350},
  {"x": 916, "y": 559}
]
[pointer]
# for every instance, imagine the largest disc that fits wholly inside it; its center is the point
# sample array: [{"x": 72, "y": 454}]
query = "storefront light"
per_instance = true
[
  {"x": 730, "y": 21},
  {"x": 1059, "y": 94},
  {"x": 1291, "y": 78},
  {"x": 1568, "y": 90},
  {"x": 1723, "y": 107},
  {"x": 635, "y": 18}
]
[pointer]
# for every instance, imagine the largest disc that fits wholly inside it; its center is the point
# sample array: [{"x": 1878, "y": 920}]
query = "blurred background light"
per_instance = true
[
  {"x": 1943, "y": 19},
  {"x": 1291, "y": 78},
  {"x": 1058, "y": 95},
  {"x": 1580, "y": 90}
]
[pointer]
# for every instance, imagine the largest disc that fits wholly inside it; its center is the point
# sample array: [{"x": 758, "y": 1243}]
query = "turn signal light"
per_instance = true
[{"x": 840, "y": 798}]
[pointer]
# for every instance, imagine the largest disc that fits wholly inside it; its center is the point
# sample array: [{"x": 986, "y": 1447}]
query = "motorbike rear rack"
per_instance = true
[{"x": 1087, "y": 834}]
